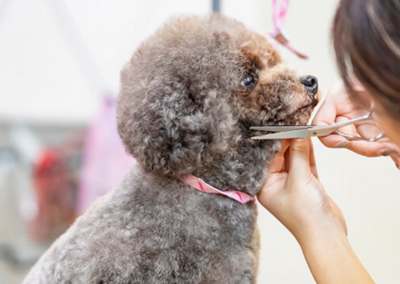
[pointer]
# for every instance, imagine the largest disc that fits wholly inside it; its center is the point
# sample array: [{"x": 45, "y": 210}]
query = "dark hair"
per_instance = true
[{"x": 366, "y": 38}]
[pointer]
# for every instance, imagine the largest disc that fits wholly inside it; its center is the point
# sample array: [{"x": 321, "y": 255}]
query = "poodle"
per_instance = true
[{"x": 188, "y": 98}]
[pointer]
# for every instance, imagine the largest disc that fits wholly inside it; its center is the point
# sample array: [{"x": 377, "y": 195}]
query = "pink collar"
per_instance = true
[{"x": 201, "y": 185}]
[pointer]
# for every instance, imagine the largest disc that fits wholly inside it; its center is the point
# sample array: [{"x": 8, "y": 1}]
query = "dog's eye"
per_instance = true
[{"x": 249, "y": 80}]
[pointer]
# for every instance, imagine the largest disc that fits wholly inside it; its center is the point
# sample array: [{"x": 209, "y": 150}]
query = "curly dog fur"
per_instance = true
[{"x": 188, "y": 97}]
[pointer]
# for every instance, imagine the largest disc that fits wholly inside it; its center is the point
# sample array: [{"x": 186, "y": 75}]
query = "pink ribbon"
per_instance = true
[
  {"x": 278, "y": 18},
  {"x": 201, "y": 185},
  {"x": 279, "y": 14}
]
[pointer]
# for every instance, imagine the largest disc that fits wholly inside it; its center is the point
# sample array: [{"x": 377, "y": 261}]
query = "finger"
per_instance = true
[
  {"x": 370, "y": 149},
  {"x": 364, "y": 148},
  {"x": 349, "y": 129},
  {"x": 287, "y": 157},
  {"x": 313, "y": 164},
  {"x": 299, "y": 158},
  {"x": 326, "y": 115},
  {"x": 278, "y": 163},
  {"x": 334, "y": 141},
  {"x": 396, "y": 159},
  {"x": 369, "y": 129},
  {"x": 338, "y": 141}
]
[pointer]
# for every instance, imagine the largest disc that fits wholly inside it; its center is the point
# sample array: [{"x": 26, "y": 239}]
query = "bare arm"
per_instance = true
[
  {"x": 332, "y": 260},
  {"x": 294, "y": 195}
]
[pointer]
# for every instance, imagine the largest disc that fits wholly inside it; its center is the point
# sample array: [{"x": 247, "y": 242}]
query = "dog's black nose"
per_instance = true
[{"x": 311, "y": 84}]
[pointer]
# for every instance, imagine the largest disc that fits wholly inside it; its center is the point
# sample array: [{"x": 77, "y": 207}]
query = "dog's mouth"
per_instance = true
[
  {"x": 300, "y": 116},
  {"x": 297, "y": 114}
]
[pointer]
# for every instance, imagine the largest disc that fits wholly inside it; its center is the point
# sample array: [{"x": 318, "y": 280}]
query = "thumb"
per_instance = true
[{"x": 299, "y": 158}]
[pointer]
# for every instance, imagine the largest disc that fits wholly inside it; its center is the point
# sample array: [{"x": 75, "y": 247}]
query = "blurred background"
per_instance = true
[{"x": 59, "y": 76}]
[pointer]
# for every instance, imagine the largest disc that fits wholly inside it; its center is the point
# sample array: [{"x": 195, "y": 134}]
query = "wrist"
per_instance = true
[{"x": 322, "y": 236}]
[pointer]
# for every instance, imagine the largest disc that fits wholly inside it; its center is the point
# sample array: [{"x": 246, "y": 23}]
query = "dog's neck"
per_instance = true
[{"x": 243, "y": 168}]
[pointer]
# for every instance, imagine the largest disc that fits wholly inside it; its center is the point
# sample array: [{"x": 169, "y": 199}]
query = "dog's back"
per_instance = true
[{"x": 152, "y": 230}]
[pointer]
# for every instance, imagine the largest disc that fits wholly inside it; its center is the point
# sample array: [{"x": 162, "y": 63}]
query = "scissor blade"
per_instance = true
[
  {"x": 301, "y": 133},
  {"x": 276, "y": 128}
]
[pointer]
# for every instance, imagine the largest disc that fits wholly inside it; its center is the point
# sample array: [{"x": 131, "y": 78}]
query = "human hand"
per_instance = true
[
  {"x": 338, "y": 107},
  {"x": 294, "y": 195}
]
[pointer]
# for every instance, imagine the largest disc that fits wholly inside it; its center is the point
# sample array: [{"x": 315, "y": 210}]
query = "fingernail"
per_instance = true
[
  {"x": 300, "y": 139},
  {"x": 342, "y": 144},
  {"x": 386, "y": 152}
]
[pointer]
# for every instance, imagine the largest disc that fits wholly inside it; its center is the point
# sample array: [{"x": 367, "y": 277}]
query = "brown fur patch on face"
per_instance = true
[
  {"x": 278, "y": 97},
  {"x": 260, "y": 52}
]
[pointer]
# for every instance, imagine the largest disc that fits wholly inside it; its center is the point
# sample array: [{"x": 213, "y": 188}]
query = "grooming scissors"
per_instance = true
[{"x": 289, "y": 132}]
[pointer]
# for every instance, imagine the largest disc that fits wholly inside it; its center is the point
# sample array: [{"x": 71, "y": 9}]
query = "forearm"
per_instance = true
[{"x": 332, "y": 260}]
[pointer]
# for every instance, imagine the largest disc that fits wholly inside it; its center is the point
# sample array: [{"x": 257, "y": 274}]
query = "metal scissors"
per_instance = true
[{"x": 289, "y": 132}]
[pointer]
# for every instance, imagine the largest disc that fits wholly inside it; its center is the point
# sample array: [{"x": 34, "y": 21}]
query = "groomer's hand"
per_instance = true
[
  {"x": 338, "y": 107},
  {"x": 294, "y": 195}
]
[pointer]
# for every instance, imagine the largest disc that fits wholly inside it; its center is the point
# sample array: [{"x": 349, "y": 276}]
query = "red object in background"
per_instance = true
[
  {"x": 55, "y": 186},
  {"x": 70, "y": 177}
]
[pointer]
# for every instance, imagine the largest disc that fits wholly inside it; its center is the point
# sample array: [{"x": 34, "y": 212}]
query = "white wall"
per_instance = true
[
  {"x": 45, "y": 73},
  {"x": 41, "y": 79}
]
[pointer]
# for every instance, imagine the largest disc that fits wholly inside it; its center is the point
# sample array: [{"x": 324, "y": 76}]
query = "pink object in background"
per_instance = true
[
  {"x": 105, "y": 161},
  {"x": 279, "y": 13},
  {"x": 278, "y": 36},
  {"x": 201, "y": 185}
]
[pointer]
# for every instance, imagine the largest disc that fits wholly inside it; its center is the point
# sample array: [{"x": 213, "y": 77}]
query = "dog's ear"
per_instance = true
[
  {"x": 254, "y": 50},
  {"x": 162, "y": 124}
]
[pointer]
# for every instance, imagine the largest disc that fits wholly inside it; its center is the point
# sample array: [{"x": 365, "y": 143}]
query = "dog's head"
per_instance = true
[{"x": 191, "y": 92}]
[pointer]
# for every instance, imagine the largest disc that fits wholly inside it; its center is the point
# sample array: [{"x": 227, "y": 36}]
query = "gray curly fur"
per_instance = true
[{"x": 183, "y": 109}]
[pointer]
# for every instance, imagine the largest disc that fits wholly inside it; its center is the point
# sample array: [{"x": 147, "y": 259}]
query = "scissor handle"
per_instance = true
[
  {"x": 281, "y": 128},
  {"x": 288, "y": 132},
  {"x": 351, "y": 121}
]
